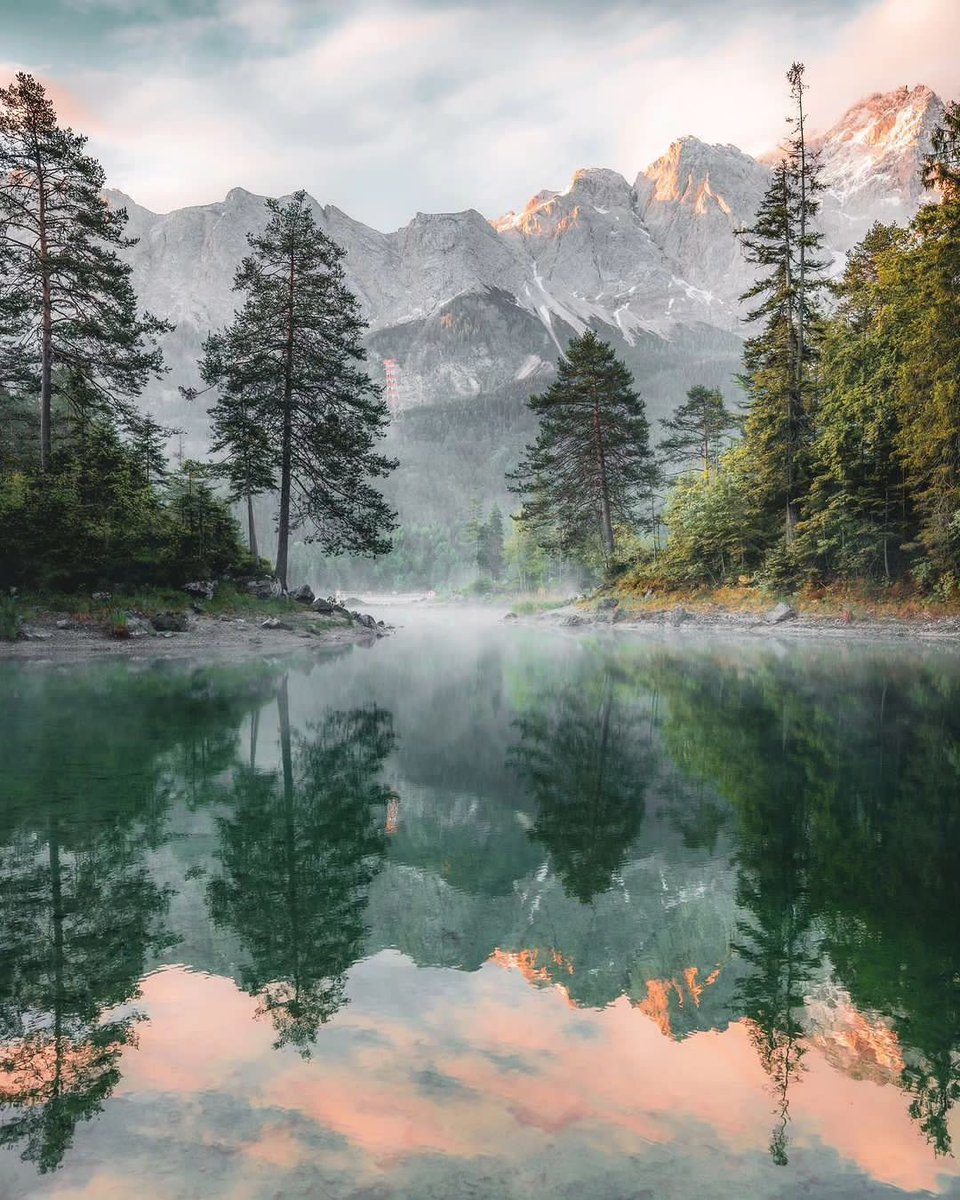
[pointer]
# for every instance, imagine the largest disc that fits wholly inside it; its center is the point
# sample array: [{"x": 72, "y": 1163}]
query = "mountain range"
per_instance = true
[{"x": 468, "y": 308}]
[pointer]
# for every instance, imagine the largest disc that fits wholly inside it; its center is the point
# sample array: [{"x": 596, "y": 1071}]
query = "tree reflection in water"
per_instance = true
[
  {"x": 299, "y": 850},
  {"x": 845, "y": 786},
  {"x": 584, "y": 757},
  {"x": 87, "y": 781}
]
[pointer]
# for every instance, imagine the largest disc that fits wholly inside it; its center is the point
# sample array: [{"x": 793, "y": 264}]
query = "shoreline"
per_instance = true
[
  {"x": 206, "y": 637},
  {"x": 755, "y": 626}
]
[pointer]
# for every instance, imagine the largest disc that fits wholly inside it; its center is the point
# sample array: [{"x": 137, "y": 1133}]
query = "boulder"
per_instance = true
[
  {"x": 511, "y": 616},
  {"x": 324, "y": 606},
  {"x": 267, "y": 588},
  {"x": 275, "y": 623},
  {"x": 201, "y": 589},
  {"x": 304, "y": 595},
  {"x": 27, "y": 634},
  {"x": 365, "y": 620},
  {"x": 779, "y": 614},
  {"x": 129, "y": 625},
  {"x": 169, "y": 622},
  {"x": 608, "y": 602}
]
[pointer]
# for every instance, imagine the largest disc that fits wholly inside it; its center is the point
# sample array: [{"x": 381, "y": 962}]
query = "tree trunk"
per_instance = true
[
  {"x": 790, "y": 523},
  {"x": 606, "y": 525},
  {"x": 283, "y": 531},
  {"x": 251, "y": 524},
  {"x": 57, "y": 915},
  {"x": 46, "y": 331},
  {"x": 290, "y": 835}
]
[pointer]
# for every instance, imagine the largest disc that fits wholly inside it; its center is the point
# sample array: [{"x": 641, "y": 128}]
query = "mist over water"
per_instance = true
[{"x": 483, "y": 910}]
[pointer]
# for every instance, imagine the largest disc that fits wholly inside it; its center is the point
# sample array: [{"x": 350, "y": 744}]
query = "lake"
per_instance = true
[{"x": 483, "y": 911}]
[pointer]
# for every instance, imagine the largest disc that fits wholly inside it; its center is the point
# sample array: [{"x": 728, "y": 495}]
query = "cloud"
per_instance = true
[{"x": 387, "y": 108}]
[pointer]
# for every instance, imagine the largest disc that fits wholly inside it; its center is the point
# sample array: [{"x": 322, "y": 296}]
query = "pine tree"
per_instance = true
[
  {"x": 240, "y": 438},
  {"x": 493, "y": 544},
  {"x": 474, "y": 533},
  {"x": 925, "y": 288},
  {"x": 591, "y": 466},
  {"x": 779, "y": 361},
  {"x": 941, "y": 167},
  {"x": 859, "y": 512},
  {"x": 698, "y": 429},
  {"x": 65, "y": 294},
  {"x": 295, "y": 345}
]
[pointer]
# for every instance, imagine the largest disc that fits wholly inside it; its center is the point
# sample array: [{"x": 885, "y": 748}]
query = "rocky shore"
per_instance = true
[
  {"x": 190, "y": 632},
  {"x": 780, "y": 620}
]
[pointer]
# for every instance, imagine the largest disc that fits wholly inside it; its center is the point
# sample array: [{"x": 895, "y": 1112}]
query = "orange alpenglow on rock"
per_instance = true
[{"x": 656, "y": 1003}]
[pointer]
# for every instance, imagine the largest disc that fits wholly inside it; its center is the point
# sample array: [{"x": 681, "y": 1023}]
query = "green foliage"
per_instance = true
[
  {"x": 118, "y": 625},
  {"x": 590, "y": 467},
  {"x": 850, "y": 462},
  {"x": 95, "y": 519},
  {"x": 67, "y": 308},
  {"x": 716, "y": 529},
  {"x": 295, "y": 404},
  {"x": 698, "y": 430}
]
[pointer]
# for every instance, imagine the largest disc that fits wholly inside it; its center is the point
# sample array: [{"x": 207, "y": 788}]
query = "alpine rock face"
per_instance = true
[{"x": 463, "y": 307}]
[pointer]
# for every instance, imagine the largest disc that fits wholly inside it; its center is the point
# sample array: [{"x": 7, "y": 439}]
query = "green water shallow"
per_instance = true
[{"x": 483, "y": 911}]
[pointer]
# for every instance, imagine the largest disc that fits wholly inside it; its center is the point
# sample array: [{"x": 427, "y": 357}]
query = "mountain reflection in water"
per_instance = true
[{"x": 513, "y": 909}]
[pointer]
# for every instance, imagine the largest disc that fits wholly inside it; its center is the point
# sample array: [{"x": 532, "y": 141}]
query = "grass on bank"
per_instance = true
[
  {"x": 228, "y": 600},
  {"x": 857, "y": 600}
]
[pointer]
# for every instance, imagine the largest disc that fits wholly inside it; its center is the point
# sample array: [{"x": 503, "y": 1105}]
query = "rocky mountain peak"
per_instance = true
[
  {"x": 465, "y": 305},
  {"x": 878, "y": 145},
  {"x": 701, "y": 177},
  {"x": 549, "y": 213}
]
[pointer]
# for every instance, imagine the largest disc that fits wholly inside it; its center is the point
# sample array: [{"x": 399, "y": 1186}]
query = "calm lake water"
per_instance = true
[{"x": 483, "y": 912}]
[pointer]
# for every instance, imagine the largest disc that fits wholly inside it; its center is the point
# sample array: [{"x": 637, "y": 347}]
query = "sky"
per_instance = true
[{"x": 390, "y": 107}]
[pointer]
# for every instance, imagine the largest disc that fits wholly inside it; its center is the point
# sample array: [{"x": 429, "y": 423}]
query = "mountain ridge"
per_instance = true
[{"x": 466, "y": 305}]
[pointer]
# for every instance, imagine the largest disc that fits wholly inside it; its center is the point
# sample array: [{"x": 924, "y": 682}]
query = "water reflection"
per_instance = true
[
  {"x": 584, "y": 756},
  {"x": 739, "y": 840},
  {"x": 80, "y": 916},
  {"x": 845, "y": 785},
  {"x": 298, "y": 851}
]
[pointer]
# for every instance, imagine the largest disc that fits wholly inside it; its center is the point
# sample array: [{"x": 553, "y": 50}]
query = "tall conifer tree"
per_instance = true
[
  {"x": 591, "y": 465},
  {"x": 698, "y": 429},
  {"x": 67, "y": 307},
  {"x": 778, "y": 362},
  {"x": 294, "y": 348}
]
